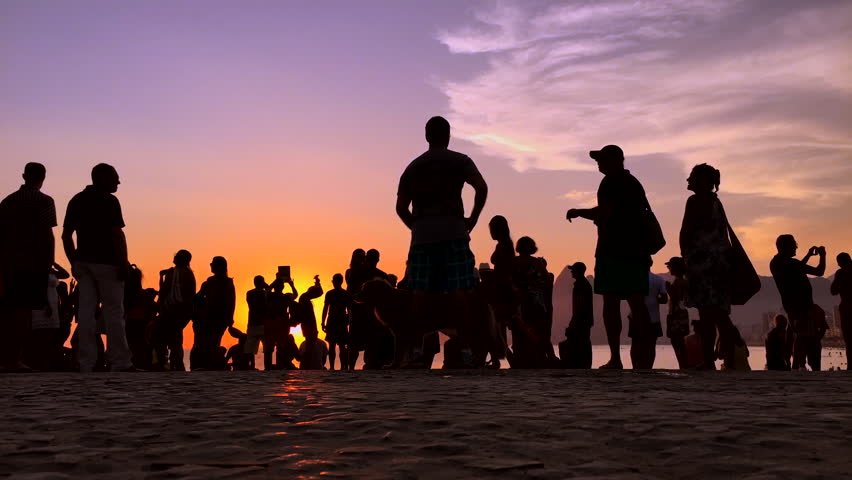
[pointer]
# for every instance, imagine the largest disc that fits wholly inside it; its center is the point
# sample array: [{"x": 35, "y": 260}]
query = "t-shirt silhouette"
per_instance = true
[
  {"x": 219, "y": 301},
  {"x": 842, "y": 284},
  {"x": 93, "y": 214},
  {"x": 775, "y": 345},
  {"x": 337, "y": 300},
  {"x": 256, "y": 300},
  {"x": 582, "y": 305},
  {"x": 791, "y": 278},
  {"x": 622, "y": 195},
  {"x": 657, "y": 287},
  {"x": 23, "y": 216},
  {"x": 434, "y": 182}
]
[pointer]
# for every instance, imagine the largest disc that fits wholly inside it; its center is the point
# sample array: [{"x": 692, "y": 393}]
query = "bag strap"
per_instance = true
[
  {"x": 735, "y": 241},
  {"x": 647, "y": 203}
]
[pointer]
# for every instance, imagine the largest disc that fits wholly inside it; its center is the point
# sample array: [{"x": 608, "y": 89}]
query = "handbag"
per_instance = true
[
  {"x": 653, "y": 235},
  {"x": 743, "y": 280},
  {"x": 694, "y": 350}
]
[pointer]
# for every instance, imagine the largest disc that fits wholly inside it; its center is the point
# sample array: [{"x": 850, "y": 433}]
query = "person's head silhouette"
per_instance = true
[
  {"x": 219, "y": 266},
  {"x": 359, "y": 256},
  {"x": 786, "y": 245},
  {"x": 780, "y": 322},
  {"x": 372, "y": 257},
  {"x": 259, "y": 282},
  {"x": 526, "y": 246},
  {"x": 844, "y": 260},
  {"x": 610, "y": 159},
  {"x": 703, "y": 178},
  {"x": 105, "y": 177},
  {"x": 578, "y": 270},
  {"x": 499, "y": 228},
  {"x": 182, "y": 258},
  {"x": 337, "y": 280},
  {"x": 34, "y": 174},
  {"x": 438, "y": 133},
  {"x": 677, "y": 267}
]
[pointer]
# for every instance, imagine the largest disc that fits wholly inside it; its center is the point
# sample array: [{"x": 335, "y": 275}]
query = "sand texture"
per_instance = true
[{"x": 508, "y": 424}]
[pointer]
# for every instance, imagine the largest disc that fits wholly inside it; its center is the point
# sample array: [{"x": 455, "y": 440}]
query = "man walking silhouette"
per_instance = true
[{"x": 621, "y": 262}]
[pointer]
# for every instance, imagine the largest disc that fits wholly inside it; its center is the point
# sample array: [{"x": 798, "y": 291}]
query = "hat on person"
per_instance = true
[
  {"x": 676, "y": 262},
  {"x": 578, "y": 267},
  {"x": 609, "y": 151}
]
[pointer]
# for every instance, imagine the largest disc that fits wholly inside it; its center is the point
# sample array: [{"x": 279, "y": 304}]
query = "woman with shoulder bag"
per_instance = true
[{"x": 705, "y": 247}]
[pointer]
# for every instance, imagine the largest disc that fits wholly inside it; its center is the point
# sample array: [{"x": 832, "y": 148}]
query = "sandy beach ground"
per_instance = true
[{"x": 511, "y": 424}]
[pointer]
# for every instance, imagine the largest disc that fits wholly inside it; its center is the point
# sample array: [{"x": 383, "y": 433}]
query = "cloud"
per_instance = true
[
  {"x": 581, "y": 198},
  {"x": 760, "y": 89}
]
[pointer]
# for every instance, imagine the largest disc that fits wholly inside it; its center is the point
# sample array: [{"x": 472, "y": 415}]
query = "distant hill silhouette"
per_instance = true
[{"x": 749, "y": 318}]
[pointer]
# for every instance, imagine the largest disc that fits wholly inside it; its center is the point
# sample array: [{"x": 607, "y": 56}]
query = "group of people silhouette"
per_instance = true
[{"x": 395, "y": 322}]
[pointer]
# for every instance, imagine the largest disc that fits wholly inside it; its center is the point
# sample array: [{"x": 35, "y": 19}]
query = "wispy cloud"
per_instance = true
[
  {"x": 582, "y": 198},
  {"x": 760, "y": 89}
]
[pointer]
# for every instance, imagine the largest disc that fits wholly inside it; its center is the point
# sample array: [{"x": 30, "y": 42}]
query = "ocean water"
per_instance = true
[{"x": 832, "y": 358}]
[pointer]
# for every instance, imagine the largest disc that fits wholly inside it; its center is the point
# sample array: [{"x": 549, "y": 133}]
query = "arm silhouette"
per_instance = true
[
  {"x": 48, "y": 242},
  {"x": 324, "y": 312},
  {"x": 835, "y": 284},
  {"x": 481, "y": 188},
  {"x": 819, "y": 270},
  {"x": 120, "y": 242},
  {"x": 594, "y": 214},
  {"x": 68, "y": 245},
  {"x": 403, "y": 202},
  {"x": 231, "y": 304},
  {"x": 688, "y": 227}
]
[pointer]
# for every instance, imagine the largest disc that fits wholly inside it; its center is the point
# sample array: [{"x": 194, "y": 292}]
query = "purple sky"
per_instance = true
[{"x": 267, "y": 131}]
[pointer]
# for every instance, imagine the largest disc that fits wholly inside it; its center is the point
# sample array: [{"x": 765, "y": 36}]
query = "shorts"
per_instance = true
[
  {"x": 25, "y": 289},
  {"x": 441, "y": 266},
  {"x": 254, "y": 335},
  {"x": 622, "y": 276},
  {"x": 337, "y": 332}
]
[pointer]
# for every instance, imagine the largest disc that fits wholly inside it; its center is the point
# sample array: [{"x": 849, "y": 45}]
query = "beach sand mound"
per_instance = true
[{"x": 417, "y": 424}]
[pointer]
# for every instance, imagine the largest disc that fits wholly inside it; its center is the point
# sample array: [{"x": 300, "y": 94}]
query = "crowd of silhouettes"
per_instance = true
[{"x": 489, "y": 314}]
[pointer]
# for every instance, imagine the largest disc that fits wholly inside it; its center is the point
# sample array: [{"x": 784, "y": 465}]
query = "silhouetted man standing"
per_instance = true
[
  {"x": 621, "y": 262},
  {"x": 440, "y": 263},
  {"x": 27, "y": 218},
  {"x": 99, "y": 263},
  {"x": 576, "y": 350},
  {"x": 842, "y": 285},
  {"x": 177, "y": 293},
  {"x": 791, "y": 278},
  {"x": 378, "y": 350}
]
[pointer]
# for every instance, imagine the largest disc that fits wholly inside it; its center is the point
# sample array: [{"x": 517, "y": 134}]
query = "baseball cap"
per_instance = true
[
  {"x": 578, "y": 266},
  {"x": 609, "y": 151},
  {"x": 676, "y": 262}
]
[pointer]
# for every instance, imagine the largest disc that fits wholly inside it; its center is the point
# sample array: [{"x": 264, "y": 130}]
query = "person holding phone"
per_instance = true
[
  {"x": 791, "y": 278},
  {"x": 284, "y": 273}
]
